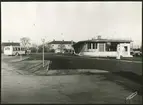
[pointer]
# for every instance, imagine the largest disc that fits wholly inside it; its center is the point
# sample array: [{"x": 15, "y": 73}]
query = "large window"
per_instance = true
[
  {"x": 89, "y": 45},
  {"x": 111, "y": 46},
  {"x": 22, "y": 49},
  {"x": 14, "y": 49},
  {"x": 7, "y": 48},
  {"x": 18, "y": 49},
  {"x": 94, "y": 45}
]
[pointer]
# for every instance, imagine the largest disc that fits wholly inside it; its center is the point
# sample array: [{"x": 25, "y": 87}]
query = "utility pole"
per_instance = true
[
  {"x": 43, "y": 40},
  {"x": 20, "y": 53}
]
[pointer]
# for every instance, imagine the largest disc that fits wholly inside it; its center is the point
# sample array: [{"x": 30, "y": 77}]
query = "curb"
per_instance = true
[{"x": 78, "y": 71}]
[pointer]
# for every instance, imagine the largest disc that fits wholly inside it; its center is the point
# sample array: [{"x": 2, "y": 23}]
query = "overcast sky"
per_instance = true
[{"x": 76, "y": 20}]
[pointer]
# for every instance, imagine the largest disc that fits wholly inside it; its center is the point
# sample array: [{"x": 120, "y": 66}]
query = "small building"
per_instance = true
[
  {"x": 103, "y": 48},
  {"x": 61, "y": 45},
  {"x": 8, "y": 44}
]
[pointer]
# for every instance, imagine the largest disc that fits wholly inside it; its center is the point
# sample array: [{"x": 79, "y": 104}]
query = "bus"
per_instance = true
[{"x": 14, "y": 50}]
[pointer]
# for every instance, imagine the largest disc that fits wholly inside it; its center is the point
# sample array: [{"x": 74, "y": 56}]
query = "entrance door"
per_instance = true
[
  {"x": 101, "y": 47},
  {"x": 124, "y": 50}
]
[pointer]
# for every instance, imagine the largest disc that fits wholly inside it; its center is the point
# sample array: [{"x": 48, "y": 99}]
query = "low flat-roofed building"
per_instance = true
[{"x": 103, "y": 47}]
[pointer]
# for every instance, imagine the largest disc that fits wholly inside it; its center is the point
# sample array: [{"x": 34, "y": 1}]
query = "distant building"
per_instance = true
[
  {"x": 8, "y": 44},
  {"x": 58, "y": 45},
  {"x": 103, "y": 47}
]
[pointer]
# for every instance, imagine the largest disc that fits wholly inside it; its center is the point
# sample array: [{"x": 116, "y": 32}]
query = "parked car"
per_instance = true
[
  {"x": 69, "y": 51},
  {"x": 59, "y": 51},
  {"x": 28, "y": 52},
  {"x": 136, "y": 53}
]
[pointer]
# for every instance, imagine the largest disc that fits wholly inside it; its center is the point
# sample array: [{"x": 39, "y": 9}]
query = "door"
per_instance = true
[{"x": 101, "y": 47}]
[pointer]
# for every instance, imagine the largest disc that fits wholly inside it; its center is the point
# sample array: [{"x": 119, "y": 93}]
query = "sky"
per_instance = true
[{"x": 71, "y": 21}]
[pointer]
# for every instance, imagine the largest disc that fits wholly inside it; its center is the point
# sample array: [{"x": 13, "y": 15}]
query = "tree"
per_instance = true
[
  {"x": 34, "y": 48},
  {"x": 48, "y": 47},
  {"x": 40, "y": 48},
  {"x": 25, "y": 41}
]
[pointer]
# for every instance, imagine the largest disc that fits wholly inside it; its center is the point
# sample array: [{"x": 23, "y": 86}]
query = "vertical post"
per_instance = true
[
  {"x": 43, "y": 54},
  {"x": 128, "y": 49},
  {"x": 62, "y": 43},
  {"x": 43, "y": 40},
  {"x": 98, "y": 47},
  {"x": 118, "y": 51},
  {"x": 20, "y": 53}
]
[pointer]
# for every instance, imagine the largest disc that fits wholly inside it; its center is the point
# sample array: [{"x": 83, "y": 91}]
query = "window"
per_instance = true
[
  {"x": 111, "y": 46},
  {"x": 89, "y": 45},
  {"x": 7, "y": 48},
  {"x": 18, "y": 49},
  {"x": 126, "y": 48},
  {"x": 14, "y": 49},
  {"x": 94, "y": 45},
  {"x": 21, "y": 49}
]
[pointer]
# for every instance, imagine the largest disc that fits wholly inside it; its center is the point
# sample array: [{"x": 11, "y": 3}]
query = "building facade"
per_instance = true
[
  {"x": 61, "y": 45},
  {"x": 8, "y": 44},
  {"x": 103, "y": 48}
]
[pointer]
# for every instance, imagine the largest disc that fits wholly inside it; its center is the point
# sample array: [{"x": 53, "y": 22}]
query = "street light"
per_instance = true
[
  {"x": 43, "y": 40},
  {"x": 20, "y": 53}
]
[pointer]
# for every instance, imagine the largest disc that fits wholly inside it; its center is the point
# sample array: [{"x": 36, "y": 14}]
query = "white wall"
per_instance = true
[
  {"x": 68, "y": 46},
  {"x": 55, "y": 46},
  {"x": 96, "y": 53},
  {"x": 123, "y": 52},
  {"x": 100, "y": 54}
]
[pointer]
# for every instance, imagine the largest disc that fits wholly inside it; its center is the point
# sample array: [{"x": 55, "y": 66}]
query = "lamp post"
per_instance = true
[
  {"x": 62, "y": 42},
  {"x": 43, "y": 40},
  {"x": 20, "y": 53}
]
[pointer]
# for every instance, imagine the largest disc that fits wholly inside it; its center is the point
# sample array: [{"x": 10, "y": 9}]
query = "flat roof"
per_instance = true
[
  {"x": 61, "y": 42},
  {"x": 10, "y": 44},
  {"x": 106, "y": 41}
]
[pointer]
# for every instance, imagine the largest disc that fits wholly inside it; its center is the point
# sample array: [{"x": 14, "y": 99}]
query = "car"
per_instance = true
[
  {"x": 59, "y": 51},
  {"x": 136, "y": 53}
]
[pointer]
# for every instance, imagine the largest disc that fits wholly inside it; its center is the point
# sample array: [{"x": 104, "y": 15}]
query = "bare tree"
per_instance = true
[{"x": 25, "y": 41}]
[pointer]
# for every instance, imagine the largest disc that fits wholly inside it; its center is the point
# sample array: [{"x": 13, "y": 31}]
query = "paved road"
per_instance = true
[{"x": 17, "y": 88}]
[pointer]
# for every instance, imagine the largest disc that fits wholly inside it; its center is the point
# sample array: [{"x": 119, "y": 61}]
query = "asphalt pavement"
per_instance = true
[{"x": 75, "y": 89}]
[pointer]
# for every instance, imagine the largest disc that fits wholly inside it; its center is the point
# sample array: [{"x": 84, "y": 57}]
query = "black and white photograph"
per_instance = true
[{"x": 71, "y": 52}]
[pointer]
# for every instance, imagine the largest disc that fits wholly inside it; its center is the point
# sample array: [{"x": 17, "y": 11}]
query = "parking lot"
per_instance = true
[{"x": 98, "y": 88}]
